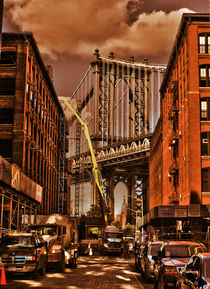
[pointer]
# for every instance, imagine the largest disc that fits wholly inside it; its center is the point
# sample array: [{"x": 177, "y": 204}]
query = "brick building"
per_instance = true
[
  {"x": 180, "y": 146},
  {"x": 31, "y": 118}
]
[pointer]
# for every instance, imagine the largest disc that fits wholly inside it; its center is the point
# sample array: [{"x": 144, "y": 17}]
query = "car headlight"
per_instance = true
[
  {"x": 30, "y": 258},
  {"x": 105, "y": 245},
  {"x": 170, "y": 269}
]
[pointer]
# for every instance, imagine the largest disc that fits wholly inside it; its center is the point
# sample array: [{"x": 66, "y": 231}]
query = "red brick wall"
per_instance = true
[{"x": 185, "y": 71}]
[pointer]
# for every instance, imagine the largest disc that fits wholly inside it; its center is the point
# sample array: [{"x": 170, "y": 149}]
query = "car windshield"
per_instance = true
[
  {"x": 206, "y": 269},
  {"x": 154, "y": 249},
  {"x": 114, "y": 235},
  {"x": 50, "y": 230},
  {"x": 177, "y": 251},
  {"x": 17, "y": 241}
]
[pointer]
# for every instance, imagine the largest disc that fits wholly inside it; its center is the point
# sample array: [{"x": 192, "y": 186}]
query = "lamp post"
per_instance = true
[
  {"x": 136, "y": 220},
  {"x": 139, "y": 202}
]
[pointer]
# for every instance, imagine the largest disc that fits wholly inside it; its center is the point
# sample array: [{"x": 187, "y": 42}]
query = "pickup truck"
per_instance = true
[
  {"x": 23, "y": 253},
  {"x": 57, "y": 231}
]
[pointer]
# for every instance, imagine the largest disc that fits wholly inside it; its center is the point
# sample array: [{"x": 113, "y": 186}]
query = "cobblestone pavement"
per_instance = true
[{"x": 107, "y": 272}]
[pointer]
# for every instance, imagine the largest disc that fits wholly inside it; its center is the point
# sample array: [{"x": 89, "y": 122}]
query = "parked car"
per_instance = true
[
  {"x": 172, "y": 257},
  {"x": 196, "y": 273},
  {"x": 147, "y": 262},
  {"x": 130, "y": 241},
  {"x": 24, "y": 253}
]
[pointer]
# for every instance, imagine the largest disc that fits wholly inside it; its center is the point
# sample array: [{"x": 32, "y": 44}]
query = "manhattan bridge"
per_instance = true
[{"x": 120, "y": 101}]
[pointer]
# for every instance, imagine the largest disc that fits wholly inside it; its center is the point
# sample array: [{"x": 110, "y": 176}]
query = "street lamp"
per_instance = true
[
  {"x": 139, "y": 203},
  {"x": 136, "y": 220}
]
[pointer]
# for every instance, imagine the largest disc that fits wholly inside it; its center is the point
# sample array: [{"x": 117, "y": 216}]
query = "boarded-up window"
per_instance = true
[
  {"x": 7, "y": 86},
  {"x": 6, "y": 148},
  {"x": 204, "y": 144},
  {"x": 6, "y": 115},
  {"x": 205, "y": 180},
  {"x": 8, "y": 57}
]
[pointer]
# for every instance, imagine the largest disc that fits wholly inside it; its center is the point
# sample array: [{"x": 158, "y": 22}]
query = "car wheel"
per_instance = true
[
  {"x": 43, "y": 269},
  {"x": 61, "y": 266},
  {"x": 74, "y": 265},
  {"x": 35, "y": 274},
  {"x": 147, "y": 276},
  {"x": 155, "y": 284},
  {"x": 161, "y": 284}
]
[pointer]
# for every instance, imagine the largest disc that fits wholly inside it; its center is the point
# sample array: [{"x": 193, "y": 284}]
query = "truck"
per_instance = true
[
  {"x": 57, "y": 230},
  {"x": 22, "y": 252},
  {"x": 112, "y": 240}
]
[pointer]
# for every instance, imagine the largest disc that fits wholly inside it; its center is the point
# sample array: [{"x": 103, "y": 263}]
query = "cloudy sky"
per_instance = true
[{"x": 69, "y": 31}]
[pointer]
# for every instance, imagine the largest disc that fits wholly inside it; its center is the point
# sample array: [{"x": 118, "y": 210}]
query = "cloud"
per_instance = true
[
  {"x": 134, "y": 8},
  {"x": 78, "y": 27}
]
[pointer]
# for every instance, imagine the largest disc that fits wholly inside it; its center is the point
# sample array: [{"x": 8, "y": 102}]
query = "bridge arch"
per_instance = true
[{"x": 121, "y": 191}]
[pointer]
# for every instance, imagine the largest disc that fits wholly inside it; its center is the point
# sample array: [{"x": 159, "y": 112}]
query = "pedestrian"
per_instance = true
[{"x": 125, "y": 249}]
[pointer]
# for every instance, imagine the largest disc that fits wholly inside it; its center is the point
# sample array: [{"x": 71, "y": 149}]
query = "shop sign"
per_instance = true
[
  {"x": 194, "y": 210},
  {"x": 15, "y": 181},
  {"x": 166, "y": 212},
  {"x": 180, "y": 212}
]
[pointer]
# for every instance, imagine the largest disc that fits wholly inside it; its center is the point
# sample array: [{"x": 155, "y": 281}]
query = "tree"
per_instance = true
[
  {"x": 129, "y": 231},
  {"x": 94, "y": 212},
  {"x": 118, "y": 225}
]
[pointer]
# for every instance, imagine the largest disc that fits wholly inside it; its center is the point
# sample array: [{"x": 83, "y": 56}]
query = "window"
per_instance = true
[
  {"x": 6, "y": 115},
  {"x": 205, "y": 173},
  {"x": 29, "y": 65},
  {"x": 204, "y": 75},
  {"x": 6, "y": 148},
  {"x": 40, "y": 88},
  {"x": 205, "y": 144},
  {"x": 36, "y": 106},
  {"x": 205, "y": 108},
  {"x": 204, "y": 43},
  {"x": 40, "y": 111},
  {"x": 37, "y": 82},
  {"x": 32, "y": 99},
  {"x": 33, "y": 74},
  {"x": 7, "y": 86},
  {"x": 27, "y": 92},
  {"x": 8, "y": 57}
]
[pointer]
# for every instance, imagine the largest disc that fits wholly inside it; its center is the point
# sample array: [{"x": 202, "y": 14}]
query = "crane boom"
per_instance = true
[{"x": 96, "y": 171}]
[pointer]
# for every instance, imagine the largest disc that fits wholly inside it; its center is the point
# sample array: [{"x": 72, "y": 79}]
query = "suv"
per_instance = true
[
  {"x": 171, "y": 258},
  {"x": 23, "y": 252}
]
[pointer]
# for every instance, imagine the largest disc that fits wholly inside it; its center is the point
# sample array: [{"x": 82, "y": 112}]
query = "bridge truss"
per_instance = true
[{"x": 120, "y": 101}]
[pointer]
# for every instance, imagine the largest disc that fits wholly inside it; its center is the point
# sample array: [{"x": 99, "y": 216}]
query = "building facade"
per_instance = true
[
  {"x": 180, "y": 155},
  {"x": 31, "y": 118}
]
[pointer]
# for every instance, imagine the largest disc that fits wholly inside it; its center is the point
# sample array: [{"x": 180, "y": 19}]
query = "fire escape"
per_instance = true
[{"x": 173, "y": 172}]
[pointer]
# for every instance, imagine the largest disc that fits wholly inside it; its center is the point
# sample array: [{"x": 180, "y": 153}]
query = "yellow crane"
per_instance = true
[{"x": 96, "y": 171}]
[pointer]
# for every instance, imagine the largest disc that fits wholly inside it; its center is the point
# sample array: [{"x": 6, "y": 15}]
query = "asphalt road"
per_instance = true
[{"x": 107, "y": 272}]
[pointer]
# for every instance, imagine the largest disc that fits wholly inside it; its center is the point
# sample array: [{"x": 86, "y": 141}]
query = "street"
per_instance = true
[{"x": 91, "y": 273}]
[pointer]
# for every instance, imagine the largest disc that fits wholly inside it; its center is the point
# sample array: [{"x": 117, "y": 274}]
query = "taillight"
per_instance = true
[
  {"x": 30, "y": 258},
  {"x": 56, "y": 249}
]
